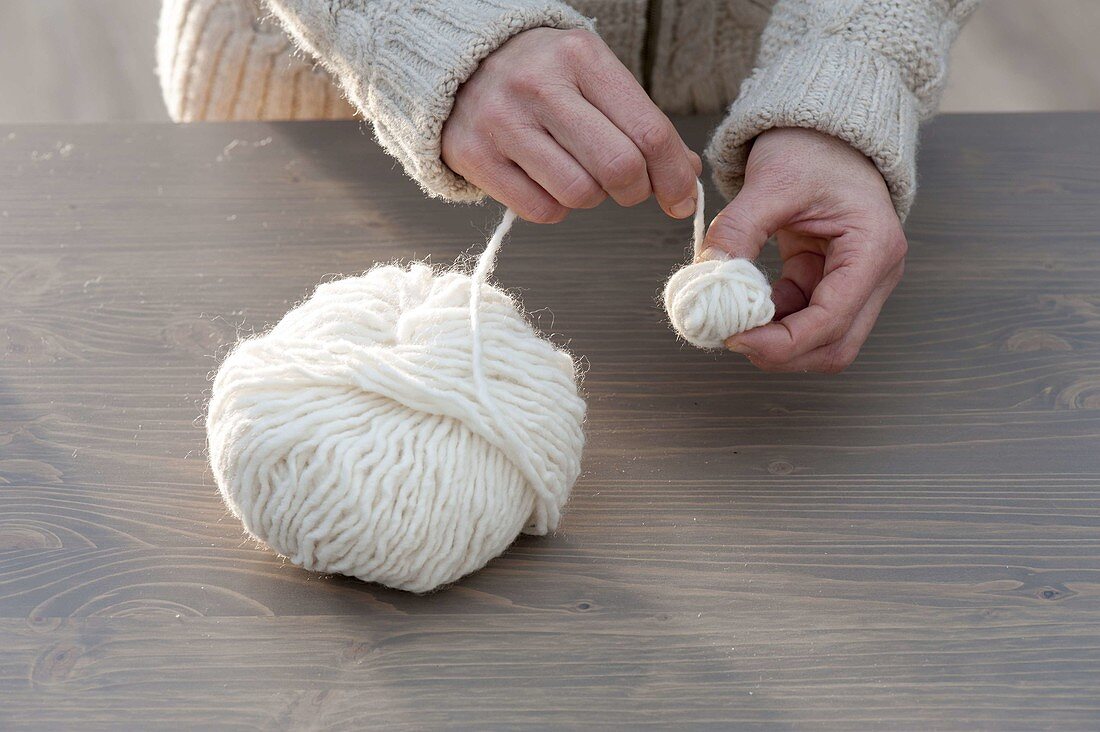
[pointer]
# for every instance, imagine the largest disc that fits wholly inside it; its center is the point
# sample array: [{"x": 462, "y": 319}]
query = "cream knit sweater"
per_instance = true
[{"x": 866, "y": 71}]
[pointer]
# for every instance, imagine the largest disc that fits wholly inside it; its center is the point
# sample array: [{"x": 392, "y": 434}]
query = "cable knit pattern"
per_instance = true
[
  {"x": 866, "y": 71},
  {"x": 702, "y": 51},
  {"x": 401, "y": 63}
]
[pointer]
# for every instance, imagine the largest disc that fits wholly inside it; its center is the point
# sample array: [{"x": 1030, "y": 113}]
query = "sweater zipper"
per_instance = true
[{"x": 649, "y": 49}]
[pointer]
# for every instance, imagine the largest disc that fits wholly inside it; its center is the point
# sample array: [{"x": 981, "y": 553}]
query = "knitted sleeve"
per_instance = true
[
  {"x": 866, "y": 71},
  {"x": 401, "y": 62},
  {"x": 221, "y": 60}
]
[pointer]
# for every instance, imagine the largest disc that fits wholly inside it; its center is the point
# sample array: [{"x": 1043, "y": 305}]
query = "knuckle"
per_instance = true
[
  {"x": 838, "y": 358},
  {"x": 633, "y": 197},
  {"x": 544, "y": 212},
  {"x": 577, "y": 46},
  {"x": 696, "y": 164},
  {"x": 594, "y": 199},
  {"x": 848, "y": 258},
  {"x": 623, "y": 169},
  {"x": 654, "y": 137},
  {"x": 834, "y": 332},
  {"x": 898, "y": 245},
  {"x": 581, "y": 192},
  {"x": 837, "y": 329}
]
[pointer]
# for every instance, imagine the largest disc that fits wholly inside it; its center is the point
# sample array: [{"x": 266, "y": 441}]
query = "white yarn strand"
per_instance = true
[
  {"x": 546, "y": 510},
  {"x": 486, "y": 263},
  {"x": 699, "y": 223},
  {"x": 715, "y": 296}
]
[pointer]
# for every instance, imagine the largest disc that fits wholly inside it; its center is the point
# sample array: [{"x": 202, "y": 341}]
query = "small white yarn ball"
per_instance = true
[
  {"x": 350, "y": 437},
  {"x": 712, "y": 299}
]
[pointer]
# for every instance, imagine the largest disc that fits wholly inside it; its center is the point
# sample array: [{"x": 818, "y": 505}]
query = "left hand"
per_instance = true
[{"x": 842, "y": 246}]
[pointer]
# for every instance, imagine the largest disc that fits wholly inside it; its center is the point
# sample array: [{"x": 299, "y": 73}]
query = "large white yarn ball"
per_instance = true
[
  {"x": 717, "y": 297},
  {"x": 351, "y": 439}
]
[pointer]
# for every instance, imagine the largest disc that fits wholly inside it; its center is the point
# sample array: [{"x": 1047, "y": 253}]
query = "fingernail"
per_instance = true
[
  {"x": 712, "y": 253},
  {"x": 683, "y": 209},
  {"x": 738, "y": 347}
]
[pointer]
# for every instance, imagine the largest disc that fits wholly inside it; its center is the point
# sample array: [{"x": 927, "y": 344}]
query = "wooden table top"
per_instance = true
[{"x": 912, "y": 543}]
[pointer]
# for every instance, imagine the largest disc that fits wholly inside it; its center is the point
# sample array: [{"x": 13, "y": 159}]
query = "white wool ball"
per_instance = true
[
  {"x": 712, "y": 299},
  {"x": 351, "y": 439}
]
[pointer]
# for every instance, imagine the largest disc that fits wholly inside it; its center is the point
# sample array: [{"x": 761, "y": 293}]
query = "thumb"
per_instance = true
[{"x": 745, "y": 224}]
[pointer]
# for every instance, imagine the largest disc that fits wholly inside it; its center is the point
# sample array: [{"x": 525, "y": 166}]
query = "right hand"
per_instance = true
[{"x": 552, "y": 121}]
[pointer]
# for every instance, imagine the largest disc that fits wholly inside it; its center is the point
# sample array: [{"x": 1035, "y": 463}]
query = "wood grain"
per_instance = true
[{"x": 912, "y": 543}]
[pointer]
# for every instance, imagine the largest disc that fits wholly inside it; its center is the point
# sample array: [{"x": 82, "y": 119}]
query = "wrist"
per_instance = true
[{"x": 832, "y": 87}]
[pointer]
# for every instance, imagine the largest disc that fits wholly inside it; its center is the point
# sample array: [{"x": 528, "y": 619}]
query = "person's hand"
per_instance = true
[
  {"x": 552, "y": 121},
  {"x": 840, "y": 239}
]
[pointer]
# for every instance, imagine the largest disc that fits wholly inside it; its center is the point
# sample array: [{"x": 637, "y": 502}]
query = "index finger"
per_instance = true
[
  {"x": 613, "y": 90},
  {"x": 851, "y": 274}
]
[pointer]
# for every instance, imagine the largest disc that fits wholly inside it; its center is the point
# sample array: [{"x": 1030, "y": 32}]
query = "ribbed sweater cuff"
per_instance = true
[
  {"x": 418, "y": 65},
  {"x": 833, "y": 86}
]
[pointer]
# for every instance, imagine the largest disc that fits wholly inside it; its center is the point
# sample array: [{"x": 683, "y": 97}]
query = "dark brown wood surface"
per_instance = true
[{"x": 914, "y": 543}]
